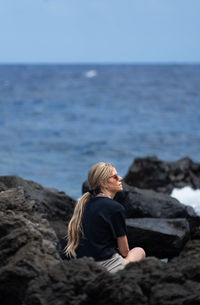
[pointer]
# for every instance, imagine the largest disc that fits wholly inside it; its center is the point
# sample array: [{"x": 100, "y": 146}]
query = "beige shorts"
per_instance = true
[{"x": 113, "y": 264}]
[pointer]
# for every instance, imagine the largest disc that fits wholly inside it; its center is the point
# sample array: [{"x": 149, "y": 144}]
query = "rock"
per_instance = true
[
  {"x": 148, "y": 203},
  {"x": 163, "y": 238},
  {"x": 85, "y": 186},
  {"x": 147, "y": 282},
  {"x": 53, "y": 205},
  {"x": 151, "y": 173},
  {"x": 49, "y": 202},
  {"x": 174, "y": 283},
  {"x": 31, "y": 270},
  {"x": 27, "y": 246},
  {"x": 73, "y": 282},
  {"x": 33, "y": 273}
]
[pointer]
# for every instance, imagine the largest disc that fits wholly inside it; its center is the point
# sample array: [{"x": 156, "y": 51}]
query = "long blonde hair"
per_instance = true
[{"x": 98, "y": 172}]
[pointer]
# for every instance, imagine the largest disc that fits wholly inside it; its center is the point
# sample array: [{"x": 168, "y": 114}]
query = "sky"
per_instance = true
[{"x": 99, "y": 31}]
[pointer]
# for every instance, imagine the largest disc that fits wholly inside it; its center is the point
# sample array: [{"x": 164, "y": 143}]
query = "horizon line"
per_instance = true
[{"x": 104, "y": 63}]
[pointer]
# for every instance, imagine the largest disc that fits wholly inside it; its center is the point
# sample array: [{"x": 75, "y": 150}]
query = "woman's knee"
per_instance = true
[
  {"x": 135, "y": 255},
  {"x": 141, "y": 251}
]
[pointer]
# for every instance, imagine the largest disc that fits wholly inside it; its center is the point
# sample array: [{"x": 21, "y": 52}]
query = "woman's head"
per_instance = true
[
  {"x": 103, "y": 177},
  {"x": 99, "y": 173}
]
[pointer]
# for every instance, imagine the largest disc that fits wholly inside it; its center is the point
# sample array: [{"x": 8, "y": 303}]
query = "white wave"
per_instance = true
[
  {"x": 188, "y": 196},
  {"x": 91, "y": 73}
]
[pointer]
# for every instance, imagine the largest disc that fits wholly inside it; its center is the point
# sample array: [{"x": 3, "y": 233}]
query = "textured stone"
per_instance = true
[
  {"x": 51, "y": 204},
  {"x": 148, "y": 203},
  {"x": 33, "y": 273},
  {"x": 163, "y": 238},
  {"x": 152, "y": 173}
]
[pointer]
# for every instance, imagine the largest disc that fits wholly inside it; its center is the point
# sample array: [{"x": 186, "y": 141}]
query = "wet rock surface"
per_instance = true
[
  {"x": 163, "y": 238},
  {"x": 32, "y": 271},
  {"x": 152, "y": 173}
]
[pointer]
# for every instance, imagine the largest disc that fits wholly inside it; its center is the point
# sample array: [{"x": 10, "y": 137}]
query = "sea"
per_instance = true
[{"x": 57, "y": 120}]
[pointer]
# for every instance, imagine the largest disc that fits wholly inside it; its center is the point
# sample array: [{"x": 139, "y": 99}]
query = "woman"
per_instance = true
[{"x": 97, "y": 228}]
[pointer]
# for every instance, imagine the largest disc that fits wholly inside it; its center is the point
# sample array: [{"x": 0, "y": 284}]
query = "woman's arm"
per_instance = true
[{"x": 123, "y": 246}]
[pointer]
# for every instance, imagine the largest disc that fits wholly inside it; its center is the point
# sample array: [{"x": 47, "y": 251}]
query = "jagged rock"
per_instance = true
[
  {"x": 163, "y": 238},
  {"x": 32, "y": 272},
  {"x": 151, "y": 173},
  {"x": 27, "y": 246},
  {"x": 148, "y": 203},
  {"x": 174, "y": 283},
  {"x": 48, "y": 201},
  {"x": 141, "y": 203},
  {"x": 53, "y": 205}
]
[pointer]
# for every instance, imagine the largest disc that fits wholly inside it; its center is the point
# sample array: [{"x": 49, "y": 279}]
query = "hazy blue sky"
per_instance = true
[{"x": 72, "y": 31}]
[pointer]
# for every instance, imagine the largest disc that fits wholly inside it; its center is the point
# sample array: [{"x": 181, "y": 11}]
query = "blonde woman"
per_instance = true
[{"x": 97, "y": 228}]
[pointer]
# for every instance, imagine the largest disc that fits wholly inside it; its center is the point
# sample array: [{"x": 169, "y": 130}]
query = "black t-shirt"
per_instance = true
[{"x": 102, "y": 222}]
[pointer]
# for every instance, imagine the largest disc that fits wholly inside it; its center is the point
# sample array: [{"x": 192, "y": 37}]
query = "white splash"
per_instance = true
[
  {"x": 91, "y": 73},
  {"x": 188, "y": 196}
]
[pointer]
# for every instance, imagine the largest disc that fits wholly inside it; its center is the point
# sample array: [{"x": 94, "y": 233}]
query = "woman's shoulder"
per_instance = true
[{"x": 111, "y": 203}]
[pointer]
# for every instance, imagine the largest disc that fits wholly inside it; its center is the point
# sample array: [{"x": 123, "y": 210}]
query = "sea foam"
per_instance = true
[
  {"x": 91, "y": 73},
  {"x": 188, "y": 196}
]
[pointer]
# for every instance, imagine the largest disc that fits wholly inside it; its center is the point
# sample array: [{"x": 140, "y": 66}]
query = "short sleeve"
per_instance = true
[{"x": 118, "y": 223}]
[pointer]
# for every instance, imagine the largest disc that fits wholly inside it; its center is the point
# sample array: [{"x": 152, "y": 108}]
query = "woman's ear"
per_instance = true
[{"x": 103, "y": 184}]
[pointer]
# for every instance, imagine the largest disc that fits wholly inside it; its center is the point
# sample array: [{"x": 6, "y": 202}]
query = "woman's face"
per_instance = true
[{"x": 114, "y": 182}]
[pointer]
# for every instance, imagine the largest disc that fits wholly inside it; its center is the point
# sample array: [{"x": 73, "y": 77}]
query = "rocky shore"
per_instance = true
[{"x": 34, "y": 270}]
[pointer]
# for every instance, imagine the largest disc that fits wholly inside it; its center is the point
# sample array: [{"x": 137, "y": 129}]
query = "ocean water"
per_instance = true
[{"x": 56, "y": 121}]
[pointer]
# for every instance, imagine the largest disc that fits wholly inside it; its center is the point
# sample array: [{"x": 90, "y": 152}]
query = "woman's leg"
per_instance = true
[{"x": 135, "y": 255}]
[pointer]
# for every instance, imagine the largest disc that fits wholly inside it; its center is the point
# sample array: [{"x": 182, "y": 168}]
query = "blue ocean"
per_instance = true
[{"x": 58, "y": 120}]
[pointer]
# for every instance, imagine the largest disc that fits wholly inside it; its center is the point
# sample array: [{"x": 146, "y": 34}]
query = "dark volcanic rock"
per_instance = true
[
  {"x": 163, "y": 238},
  {"x": 32, "y": 272},
  {"x": 148, "y": 203},
  {"x": 151, "y": 173},
  {"x": 51, "y": 204},
  {"x": 27, "y": 246},
  {"x": 85, "y": 187},
  {"x": 175, "y": 283},
  {"x": 47, "y": 201}
]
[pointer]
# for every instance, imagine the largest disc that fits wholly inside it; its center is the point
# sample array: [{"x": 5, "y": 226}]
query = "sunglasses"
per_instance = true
[{"x": 116, "y": 177}]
